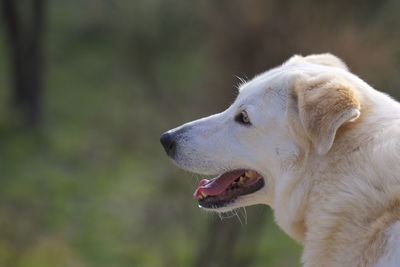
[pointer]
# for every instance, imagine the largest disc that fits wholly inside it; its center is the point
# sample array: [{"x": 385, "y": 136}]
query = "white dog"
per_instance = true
[{"x": 317, "y": 144}]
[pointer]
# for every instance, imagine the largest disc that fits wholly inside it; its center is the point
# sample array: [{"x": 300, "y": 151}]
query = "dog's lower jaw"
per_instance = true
[{"x": 258, "y": 197}]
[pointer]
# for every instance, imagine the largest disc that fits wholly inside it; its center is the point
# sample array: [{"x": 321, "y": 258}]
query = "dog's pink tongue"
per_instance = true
[{"x": 217, "y": 185}]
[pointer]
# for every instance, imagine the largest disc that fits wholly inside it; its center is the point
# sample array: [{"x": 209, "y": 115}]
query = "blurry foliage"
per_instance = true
[{"x": 93, "y": 186}]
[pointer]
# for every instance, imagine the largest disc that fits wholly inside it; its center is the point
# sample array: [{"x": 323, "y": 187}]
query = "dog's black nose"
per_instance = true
[{"x": 168, "y": 142}]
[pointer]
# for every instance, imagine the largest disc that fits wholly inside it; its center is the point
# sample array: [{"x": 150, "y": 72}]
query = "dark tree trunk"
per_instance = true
[{"x": 25, "y": 36}]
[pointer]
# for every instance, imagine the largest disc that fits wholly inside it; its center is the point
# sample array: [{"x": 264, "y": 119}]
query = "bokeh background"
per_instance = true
[{"x": 86, "y": 89}]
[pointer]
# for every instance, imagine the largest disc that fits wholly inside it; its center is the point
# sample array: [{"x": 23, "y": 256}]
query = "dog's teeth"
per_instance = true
[
  {"x": 242, "y": 179},
  {"x": 203, "y": 194},
  {"x": 250, "y": 174},
  {"x": 233, "y": 183}
]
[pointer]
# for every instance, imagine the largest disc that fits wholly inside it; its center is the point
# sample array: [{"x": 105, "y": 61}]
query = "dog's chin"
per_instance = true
[{"x": 230, "y": 190}]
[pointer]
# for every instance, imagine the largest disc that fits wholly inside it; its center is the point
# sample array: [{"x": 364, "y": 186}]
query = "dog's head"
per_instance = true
[{"x": 278, "y": 119}]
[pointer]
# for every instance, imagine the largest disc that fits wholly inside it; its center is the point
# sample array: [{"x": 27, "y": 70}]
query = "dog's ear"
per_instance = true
[
  {"x": 325, "y": 59},
  {"x": 317, "y": 107}
]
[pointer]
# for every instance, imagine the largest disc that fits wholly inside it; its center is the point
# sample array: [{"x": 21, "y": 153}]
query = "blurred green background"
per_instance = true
[{"x": 84, "y": 180}]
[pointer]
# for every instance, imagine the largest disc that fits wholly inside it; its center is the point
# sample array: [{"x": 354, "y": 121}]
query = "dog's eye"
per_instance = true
[{"x": 243, "y": 118}]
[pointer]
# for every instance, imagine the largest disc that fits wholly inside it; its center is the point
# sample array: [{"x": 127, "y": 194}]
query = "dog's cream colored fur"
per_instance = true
[{"x": 328, "y": 147}]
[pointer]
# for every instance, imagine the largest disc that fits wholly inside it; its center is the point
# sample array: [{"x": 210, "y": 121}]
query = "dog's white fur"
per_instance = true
[{"x": 328, "y": 147}]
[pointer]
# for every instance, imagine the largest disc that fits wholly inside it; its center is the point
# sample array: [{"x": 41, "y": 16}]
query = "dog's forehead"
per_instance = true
[
  {"x": 277, "y": 81},
  {"x": 270, "y": 83}
]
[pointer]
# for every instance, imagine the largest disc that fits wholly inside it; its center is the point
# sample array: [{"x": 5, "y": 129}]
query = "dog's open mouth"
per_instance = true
[{"x": 225, "y": 188}]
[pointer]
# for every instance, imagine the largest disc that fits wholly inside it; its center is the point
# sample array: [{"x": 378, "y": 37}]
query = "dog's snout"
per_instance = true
[{"x": 168, "y": 142}]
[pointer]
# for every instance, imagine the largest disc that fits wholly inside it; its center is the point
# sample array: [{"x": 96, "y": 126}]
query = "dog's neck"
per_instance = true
[
  {"x": 346, "y": 204},
  {"x": 351, "y": 206}
]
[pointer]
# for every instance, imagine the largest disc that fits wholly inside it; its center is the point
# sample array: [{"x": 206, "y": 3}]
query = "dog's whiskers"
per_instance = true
[
  {"x": 244, "y": 214},
  {"x": 238, "y": 217},
  {"x": 234, "y": 213},
  {"x": 241, "y": 81}
]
